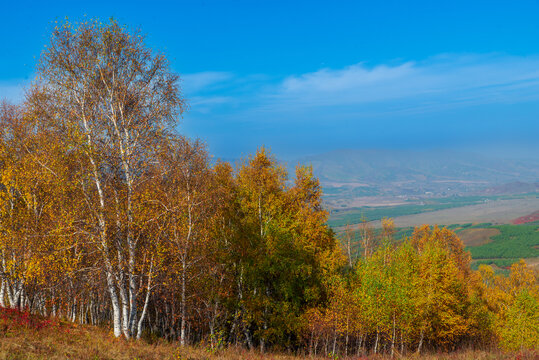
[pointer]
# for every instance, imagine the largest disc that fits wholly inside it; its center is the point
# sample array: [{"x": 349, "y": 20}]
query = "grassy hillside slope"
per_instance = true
[
  {"x": 25, "y": 336},
  {"x": 385, "y": 166}
]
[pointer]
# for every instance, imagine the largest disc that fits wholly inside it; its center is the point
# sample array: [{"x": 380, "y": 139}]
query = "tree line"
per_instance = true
[{"x": 108, "y": 216}]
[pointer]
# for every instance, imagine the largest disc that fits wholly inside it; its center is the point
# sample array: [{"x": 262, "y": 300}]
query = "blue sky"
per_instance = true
[{"x": 305, "y": 77}]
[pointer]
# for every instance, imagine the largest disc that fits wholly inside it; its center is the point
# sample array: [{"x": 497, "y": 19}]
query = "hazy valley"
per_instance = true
[{"x": 353, "y": 178}]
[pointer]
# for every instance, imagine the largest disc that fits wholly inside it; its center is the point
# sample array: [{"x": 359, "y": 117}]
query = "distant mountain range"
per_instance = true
[{"x": 360, "y": 173}]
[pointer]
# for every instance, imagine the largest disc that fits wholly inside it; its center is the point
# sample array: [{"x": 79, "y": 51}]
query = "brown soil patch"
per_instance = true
[
  {"x": 533, "y": 262},
  {"x": 476, "y": 237}
]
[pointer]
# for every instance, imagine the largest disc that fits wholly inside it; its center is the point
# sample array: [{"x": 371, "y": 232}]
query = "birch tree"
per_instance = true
[
  {"x": 186, "y": 202},
  {"x": 114, "y": 100}
]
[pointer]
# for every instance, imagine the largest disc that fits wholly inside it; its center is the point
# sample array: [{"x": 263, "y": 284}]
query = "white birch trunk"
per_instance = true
[
  {"x": 146, "y": 301},
  {"x": 3, "y": 294}
]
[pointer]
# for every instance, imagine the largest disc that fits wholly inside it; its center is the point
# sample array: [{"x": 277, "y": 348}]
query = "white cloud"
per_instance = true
[
  {"x": 205, "y": 104},
  {"x": 445, "y": 100},
  {"x": 360, "y": 93},
  {"x": 209, "y": 100},
  {"x": 203, "y": 81},
  {"x": 446, "y": 78}
]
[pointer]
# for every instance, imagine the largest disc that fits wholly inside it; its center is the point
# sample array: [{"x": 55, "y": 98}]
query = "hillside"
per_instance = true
[
  {"x": 25, "y": 336},
  {"x": 386, "y": 166},
  {"x": 381, "y": 177}
]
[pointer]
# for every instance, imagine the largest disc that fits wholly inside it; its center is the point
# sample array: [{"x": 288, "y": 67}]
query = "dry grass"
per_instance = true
[
  {"x": 43, "y": 339},
  {"x": 476, "y": 237},
  {"x": 77, "y": 342}
]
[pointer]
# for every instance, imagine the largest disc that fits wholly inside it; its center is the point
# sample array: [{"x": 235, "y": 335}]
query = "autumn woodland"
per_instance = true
[{"x": 110, "y": 217}]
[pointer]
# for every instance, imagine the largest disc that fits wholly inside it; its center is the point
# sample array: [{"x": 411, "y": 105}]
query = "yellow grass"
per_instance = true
[{"x": 68, "y": 341}]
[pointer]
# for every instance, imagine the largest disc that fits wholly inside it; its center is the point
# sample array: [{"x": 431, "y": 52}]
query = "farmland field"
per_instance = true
[
  {"x": 445, "y": 211},
  {"x": 513, "y": 242}
]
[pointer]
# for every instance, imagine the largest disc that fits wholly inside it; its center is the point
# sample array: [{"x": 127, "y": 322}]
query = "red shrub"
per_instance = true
[{"x": 14, "y": 319}]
